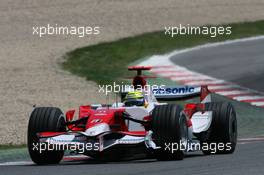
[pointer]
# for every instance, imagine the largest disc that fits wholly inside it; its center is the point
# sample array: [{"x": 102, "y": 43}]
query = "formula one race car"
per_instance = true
[{"x": 139, "y": 124}]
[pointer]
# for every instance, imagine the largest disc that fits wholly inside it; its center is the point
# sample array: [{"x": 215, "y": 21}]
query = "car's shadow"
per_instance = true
[{"x": 90, "y": 161}]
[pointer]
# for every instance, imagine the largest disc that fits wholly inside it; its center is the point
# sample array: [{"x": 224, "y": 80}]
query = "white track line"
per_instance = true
[
  {"x": 234, "y": 92},
  {"x": 164, "y": 67},
  {"x": 221, "y": 87},
  {"x": 257, "y": 103},
  {"x": 205, "y": 82},
  {"x": 252, "y": 139},
  {"x": 65, "y": 159},
  {"x": 16, "y": 163},
  {"x": 189, "y": 78},
  {"x": 248, "y": 98},
  {"x": 175, "y": 74}
]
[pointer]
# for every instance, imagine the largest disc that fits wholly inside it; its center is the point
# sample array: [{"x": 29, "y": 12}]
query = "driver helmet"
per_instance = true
[{"x": 134, "y": 98}]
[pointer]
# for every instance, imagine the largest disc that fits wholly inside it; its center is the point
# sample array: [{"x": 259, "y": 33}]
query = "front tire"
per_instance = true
[
  {"x": 169, "y": 127},
  {"x": 223, "y": 129},
  {"x": 44, "y": 119}
]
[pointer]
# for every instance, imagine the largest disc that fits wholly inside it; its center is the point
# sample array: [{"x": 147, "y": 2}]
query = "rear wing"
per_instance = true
[
  {"x": 182, "y": 92},
  {"x": 174, "y": 93}
]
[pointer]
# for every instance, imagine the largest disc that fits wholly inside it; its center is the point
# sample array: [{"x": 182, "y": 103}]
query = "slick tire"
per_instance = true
[
  {"x": 222, "y": 135},
  {"x": 169, "y": 128},
  {"x": 44, "y": 119}
]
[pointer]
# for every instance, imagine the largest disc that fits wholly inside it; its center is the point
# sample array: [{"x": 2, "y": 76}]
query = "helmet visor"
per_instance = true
[{"x": 134, "y": 102}]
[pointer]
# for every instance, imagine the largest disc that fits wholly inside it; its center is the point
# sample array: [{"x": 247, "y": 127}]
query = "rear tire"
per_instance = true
[
  {"x": 169, "y": 127},
  {"x": 223, "y": 129},
  {"x": 45, "y": 119}
]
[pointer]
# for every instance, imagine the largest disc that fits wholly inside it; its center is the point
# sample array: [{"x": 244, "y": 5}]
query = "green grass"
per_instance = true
[
  {"x": 10, "y": 146},
  {"x": 13, "y": 153},
  {"x": 107, "y": 62}
]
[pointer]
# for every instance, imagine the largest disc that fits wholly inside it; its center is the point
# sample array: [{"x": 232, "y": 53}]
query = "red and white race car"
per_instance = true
[{"x": 164, "y": 131}]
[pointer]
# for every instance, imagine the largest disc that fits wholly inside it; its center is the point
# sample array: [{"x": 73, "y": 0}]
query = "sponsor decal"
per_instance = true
[
  {"x": 174, "y": 90},
  {"x": 130, "y": 140},
  {"x": 61, "y": 139}
]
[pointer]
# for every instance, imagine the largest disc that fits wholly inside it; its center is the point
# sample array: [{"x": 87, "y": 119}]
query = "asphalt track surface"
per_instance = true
[
  {"x": 248, "y": 159},
  {"x": 240, "y": 62}
]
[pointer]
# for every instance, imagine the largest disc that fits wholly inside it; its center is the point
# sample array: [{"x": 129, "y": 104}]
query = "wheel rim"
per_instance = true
[{"x": 184, "y": 132}]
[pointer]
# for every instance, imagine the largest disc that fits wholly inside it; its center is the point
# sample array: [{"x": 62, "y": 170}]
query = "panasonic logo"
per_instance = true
[{"x": 174, "y": 90}]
